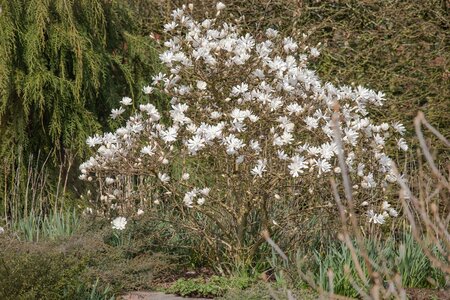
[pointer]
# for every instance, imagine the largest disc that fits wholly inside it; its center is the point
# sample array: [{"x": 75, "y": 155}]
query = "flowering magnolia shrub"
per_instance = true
[{"x": 249, "y": 127}]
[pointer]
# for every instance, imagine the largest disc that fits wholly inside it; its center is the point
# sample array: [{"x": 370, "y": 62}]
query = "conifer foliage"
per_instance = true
[{"x": 63, "y": 63}]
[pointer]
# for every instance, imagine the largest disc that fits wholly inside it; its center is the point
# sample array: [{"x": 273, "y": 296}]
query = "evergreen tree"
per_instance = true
[{"x": 63, "y": 65}]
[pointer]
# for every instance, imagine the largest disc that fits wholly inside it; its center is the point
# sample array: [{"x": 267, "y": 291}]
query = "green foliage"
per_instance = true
[
  {"x": 404, "y": 257},
  {"x": 412, "y": 263},
  {"x": 153, "y": 233},
  {"x": 94, "y": 292},
  {"x": 211, "y": 287},
  {"x": 118, "y": 238},
  {"x": 54, "y": 225},
  {"x": 32, "y": 193},
  {"x": 257, "y": 291},
  {"x": 63, "y": 65},
  {"x": 266, "y": 291},
  {"x": 123, "y": 259},
  {"x": 81, "y": 266},
  {"x": 39, "y": 275},
  {"x": 335, "y": 259}
]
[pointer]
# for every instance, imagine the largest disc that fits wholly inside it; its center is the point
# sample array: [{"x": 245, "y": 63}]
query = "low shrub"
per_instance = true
[
  {"x": 30, "y": 271},
  {"x": 119, "y": 259},
  {"x": 65, "y": 268},
  {"x": 211, "y": 287},
  {"x": 257, "y": 291}
]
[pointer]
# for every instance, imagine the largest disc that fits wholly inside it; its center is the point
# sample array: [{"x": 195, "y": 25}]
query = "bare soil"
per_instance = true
[
  {"x": 154, "y": 296},
  {"x": 427, "y": 294}
]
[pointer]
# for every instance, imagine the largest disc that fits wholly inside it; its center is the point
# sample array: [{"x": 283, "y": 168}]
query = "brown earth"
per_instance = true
[
  {"x": 427, "y": 294},
  {"x": 154, "y": 296}
]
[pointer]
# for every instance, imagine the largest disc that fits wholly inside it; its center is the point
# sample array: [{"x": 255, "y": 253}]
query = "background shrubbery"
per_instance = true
[{"x": 398, "y": 47}]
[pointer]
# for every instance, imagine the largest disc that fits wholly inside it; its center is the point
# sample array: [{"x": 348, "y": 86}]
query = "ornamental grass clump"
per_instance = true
[{"x": 250, "y": 128}]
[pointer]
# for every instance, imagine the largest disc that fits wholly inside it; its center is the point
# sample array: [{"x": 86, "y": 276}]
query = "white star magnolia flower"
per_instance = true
[
  {"x": 163, "y": 177},
  {"x": 200, "y": 201},
  {"x": 149, "y": 150},
  {"x": 311, "y": 123},
  {"x": 297, "y": 165},
  {"x": 195, "y": 144},
  {"x": 189, "y": 198},
  {"x": 402, "y": 145},
  {"x": 119, "y": 223},
  {"x": 271, "y": 33},
  {"x": 94, "y": 141},
  {"x": 322, "y": 165},
  {"x": 169, "y": 135},
  {"x": 117, "y": 112},
  {"x": 314, "y": 52},
  {"x": 393, "y": 213},
  {"x": 151, "y": 110},
  {"x": 126, "y": 101},
  {"x": 220, "y": 6},
  {"x": 147, "y": 90},
  {"x": 201, "y": 85},
  {"x": 399, "y": 127},
  {"x": 376, "y": 218},
  {"x": 233, "y": 144},
  {"x": 259, "y": 169}
]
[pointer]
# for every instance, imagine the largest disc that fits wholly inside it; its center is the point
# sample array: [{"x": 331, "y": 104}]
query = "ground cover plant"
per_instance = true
[
  {"x": 90, "y": 261},
  {"x": 214, "y": 286}
]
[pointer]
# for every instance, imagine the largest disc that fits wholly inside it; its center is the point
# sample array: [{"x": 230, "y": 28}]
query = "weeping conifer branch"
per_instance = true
[{"x": 63, "y": 65}]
